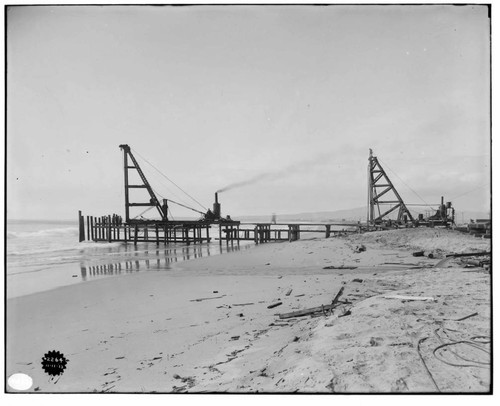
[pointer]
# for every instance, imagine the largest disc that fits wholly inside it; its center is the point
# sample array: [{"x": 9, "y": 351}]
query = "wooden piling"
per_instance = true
[
  {"x": 328, "y": 230},
  {"x": 81, "y": 226},
  {"x": 109, "y": 229},
  {"x": 157, "y": 235},
  {"x": 135, "y": 234}
]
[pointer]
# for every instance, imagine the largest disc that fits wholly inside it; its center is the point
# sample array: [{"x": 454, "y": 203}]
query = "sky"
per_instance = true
[{"x": 281, "y": 102}]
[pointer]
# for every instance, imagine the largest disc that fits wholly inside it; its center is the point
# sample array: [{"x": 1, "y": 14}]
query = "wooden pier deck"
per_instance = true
[
  {"x": 111, "y": 229},
  {"x": 269, "y": 232}
]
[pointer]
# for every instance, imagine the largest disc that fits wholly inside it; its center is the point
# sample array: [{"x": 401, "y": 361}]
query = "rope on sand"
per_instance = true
[
  {"x": 425, "y": 365},
  {"x": 470, "y": 342}
]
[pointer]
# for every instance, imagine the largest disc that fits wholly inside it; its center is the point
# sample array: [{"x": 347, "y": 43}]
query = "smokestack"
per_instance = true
[{"x": 216, "y": 206}]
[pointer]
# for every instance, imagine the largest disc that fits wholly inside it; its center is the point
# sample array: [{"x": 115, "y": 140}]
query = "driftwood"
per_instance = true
[
  {"x": 339, "y": 267},
  {"x": 313, "y": 310},
  {"x": 271, "y": 306},
  {"x": 288, "y": 292},
  {"x": 206, "y": 298},
  {"x": 469, "y": 254},
  {"x": 409, "y": 298}
]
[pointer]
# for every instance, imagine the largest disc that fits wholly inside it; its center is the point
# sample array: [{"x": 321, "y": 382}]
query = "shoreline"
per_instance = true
[{"x": 205, "y": 326}]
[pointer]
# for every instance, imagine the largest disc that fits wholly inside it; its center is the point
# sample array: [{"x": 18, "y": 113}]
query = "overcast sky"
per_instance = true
[{"x": 290, "y": 96}]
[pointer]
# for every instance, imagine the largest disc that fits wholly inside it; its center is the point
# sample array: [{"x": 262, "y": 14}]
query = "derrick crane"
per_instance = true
[
  {"x": 377, "y": 179},
  {"x": 130, "y": 163},
  {"x": 153, "y": 201}
]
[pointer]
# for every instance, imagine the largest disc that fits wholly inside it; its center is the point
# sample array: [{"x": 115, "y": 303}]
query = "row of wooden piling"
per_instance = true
[
  {"x": 262, "y": 233},
  {"x": 110, "y": 229}
]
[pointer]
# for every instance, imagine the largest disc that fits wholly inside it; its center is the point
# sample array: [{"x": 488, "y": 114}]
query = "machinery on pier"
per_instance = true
[
  {"x": 380, "y": 185},
  {"x": 130, "y": 164}
]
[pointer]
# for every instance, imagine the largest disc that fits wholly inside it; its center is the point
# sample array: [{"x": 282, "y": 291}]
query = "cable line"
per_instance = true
[
  {"x": 472, "y": 190},
  {"x": 171, "y": 181},
  {"x": 385, "y": 165}
]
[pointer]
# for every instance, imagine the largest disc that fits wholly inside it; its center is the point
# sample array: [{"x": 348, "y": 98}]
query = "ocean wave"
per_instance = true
[
  {"x": 81, "y": 248},
  {"x": 52, "y": 232}
]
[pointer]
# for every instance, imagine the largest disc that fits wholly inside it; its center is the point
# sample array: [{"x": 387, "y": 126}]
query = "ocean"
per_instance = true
[{"x": 44, "y": 255}]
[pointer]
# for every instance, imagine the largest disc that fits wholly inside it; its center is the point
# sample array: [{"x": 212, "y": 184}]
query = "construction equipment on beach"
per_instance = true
[
  {"x": 378, "y": 179},
  {"x": 380, "y": 185},
  {"x": 130, "y": 164}
]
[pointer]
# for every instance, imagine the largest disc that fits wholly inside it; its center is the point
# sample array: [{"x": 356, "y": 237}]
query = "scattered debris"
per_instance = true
[
  {"x": 240, "y": 315},
  {"x": 288, "y": 292},
  {"x": 360, "y": 248},
  {"x": 418, "y": 254},
  {"x": 469, "y": 254},
  {"x": 357, "y": 280},
  {"x": 339, "y": 267},
  {"x": 409, "y": 298},
  {"x": 243, "y": 304},
  {"x": 234, "y": 338},
  {"x": 464, "y": 318},
  {"x": 215, "y": 291},
  {"x": 312, "y": 310},
  {"x": 206, "y": 298},
  {"x": 346, "y": 313},
  {"x": 271, "y": 306}
]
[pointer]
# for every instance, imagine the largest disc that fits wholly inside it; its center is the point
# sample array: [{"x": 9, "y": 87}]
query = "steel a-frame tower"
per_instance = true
[
  {"x": 153, "y": 201},
  {"x": 380, "y": 185}
]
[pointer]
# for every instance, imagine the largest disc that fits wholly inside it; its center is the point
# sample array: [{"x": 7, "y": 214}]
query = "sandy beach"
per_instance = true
[{"x": 205, "y": 325}]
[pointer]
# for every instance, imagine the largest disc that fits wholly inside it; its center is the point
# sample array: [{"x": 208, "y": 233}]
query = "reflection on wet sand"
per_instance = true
[{"x": 141, "y": 258}]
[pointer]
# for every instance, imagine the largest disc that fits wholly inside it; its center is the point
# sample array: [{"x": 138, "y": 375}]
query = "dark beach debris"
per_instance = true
[
  {"x": 360, "y": 248},
  {"x": 337, "y": 296},
  {"x": 289, "y": 291},
  {"x": 206, "y": 298},
  {"x": 234, "y": 338},
  {"x": 241, "y": 304},
  {"x": 122, "y": 357},
  {"x": 418, "y": 254},
  {"x": 188, "y": 381},
  {"x": 469, "y": 254},
  {"x": 75, "y": 276},
  {"x": 465, "y": 317},
  {"x": 313, "y": 310},
  {"x": 271, "y": 306},
  {"x": 302, "y": 294},
  {"x": 346, "y": 313},
  {"x": 240, "y": 315},
  {"x": 296, "y": 339},
  {"x": 215, "y": 291},
  {"x": 357, "y": 280},
  {"x": 339, "y": 267}
]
